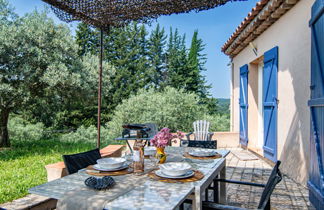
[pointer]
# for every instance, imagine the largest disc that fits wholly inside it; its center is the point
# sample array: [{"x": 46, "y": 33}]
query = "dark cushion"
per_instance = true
[
  {"x": 75, "y": 162},
  {"x": 202, "y": 144}
]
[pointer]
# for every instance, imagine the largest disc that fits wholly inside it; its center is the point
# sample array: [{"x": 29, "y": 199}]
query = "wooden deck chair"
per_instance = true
[{"x": 201, "y": 131}]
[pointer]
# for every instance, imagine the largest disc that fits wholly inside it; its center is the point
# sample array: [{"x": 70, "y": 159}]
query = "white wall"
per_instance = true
[{"x": 293, "y": 37}]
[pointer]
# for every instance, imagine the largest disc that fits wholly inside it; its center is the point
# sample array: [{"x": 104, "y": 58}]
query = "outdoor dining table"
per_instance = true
[{"x": 142, "y": 192}]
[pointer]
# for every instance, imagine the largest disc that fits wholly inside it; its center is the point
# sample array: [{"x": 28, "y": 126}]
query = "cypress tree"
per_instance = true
[
  {"x": 156, "y": 56},
  {"x": 87, "y": 39},
  {"x": 196, "y": 62}
]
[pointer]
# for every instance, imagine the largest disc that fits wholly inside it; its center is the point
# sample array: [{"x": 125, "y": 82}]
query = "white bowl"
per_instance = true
[
  {"x": 149, "y": 151},
  {"x": 111, "y": 163},
  {"x": 203, "y": 152},
  {"x": 175, "y": 168}
]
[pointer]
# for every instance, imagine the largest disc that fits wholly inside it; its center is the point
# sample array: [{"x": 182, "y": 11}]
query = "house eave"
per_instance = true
[{"x": 268, "y": 15}]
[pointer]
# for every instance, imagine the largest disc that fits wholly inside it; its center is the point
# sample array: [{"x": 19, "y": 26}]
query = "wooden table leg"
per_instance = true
[{"x": 222, "y": 185}]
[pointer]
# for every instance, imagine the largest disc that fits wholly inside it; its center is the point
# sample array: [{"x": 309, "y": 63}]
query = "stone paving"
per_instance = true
[{"x": 287, "y": 195}]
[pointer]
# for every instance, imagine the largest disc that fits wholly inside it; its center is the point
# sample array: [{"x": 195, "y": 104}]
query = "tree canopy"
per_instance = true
[{"x": 49, "y": 76}]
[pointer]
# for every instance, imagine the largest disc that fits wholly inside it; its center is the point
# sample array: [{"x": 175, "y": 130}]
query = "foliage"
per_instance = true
[
  {"x": 87, "y": 39},
  {"x": 218, "y": 122},
  {"x": 87, "y": 135},
  {"x": 23, "y": 130},
  {"x": 37, "y": 61},
  {"x": 126, "y": 49},
  {"x": 170, "y": 108},
  {"x": 145, "y": 60},
  {"x": 7, "y": 14},
  {"x": 223, "y": 105},
  {"x": 22, "y": 166},
  {"x": 176, "y": 61},
  {"x": 156, "y": 56},
  {"x": 81, "y": 108}
]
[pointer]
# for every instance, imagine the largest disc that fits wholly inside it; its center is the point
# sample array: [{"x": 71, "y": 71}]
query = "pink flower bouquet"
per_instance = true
[{"x": 164, "y": 137}]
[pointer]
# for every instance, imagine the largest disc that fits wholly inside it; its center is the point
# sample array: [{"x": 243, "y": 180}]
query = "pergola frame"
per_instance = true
[{"x": 104, "y": 14}]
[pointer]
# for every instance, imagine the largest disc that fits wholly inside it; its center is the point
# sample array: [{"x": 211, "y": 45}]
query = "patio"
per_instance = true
[{"x": 287, "y": 195}]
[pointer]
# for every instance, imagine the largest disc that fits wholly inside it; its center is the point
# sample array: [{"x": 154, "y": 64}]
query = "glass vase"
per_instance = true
[{"x": 160, "y": 154}]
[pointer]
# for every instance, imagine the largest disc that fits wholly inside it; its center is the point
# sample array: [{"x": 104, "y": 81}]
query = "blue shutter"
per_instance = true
[
  {"x": 244, "y": 104},
  {"x": 270, "y": 106},
  {"x": 316, "y": 104}
]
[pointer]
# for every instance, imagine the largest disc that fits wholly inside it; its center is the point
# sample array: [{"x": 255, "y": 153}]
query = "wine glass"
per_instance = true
[{"x": 185, "y": 144}]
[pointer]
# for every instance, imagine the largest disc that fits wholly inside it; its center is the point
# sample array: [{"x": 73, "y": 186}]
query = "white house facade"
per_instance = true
[{"x": 270, "y": 83}]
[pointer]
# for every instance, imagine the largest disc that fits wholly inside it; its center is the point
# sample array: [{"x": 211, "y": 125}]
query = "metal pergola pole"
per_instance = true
[{"x": 100, "y": 88}]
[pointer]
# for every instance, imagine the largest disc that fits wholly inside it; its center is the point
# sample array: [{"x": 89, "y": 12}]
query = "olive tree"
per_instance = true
[
  {"x": 170, "y": 108},
  {"x": 37, "y": 56}
]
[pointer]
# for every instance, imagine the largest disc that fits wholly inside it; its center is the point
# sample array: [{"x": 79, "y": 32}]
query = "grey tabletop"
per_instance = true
[{"x": 148, "y": 193}]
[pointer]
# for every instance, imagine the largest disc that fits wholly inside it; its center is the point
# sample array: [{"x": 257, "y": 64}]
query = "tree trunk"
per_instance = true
[{"x": 4, "y": 136}]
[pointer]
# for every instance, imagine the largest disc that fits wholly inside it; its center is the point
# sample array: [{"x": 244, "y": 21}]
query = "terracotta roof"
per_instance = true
[
  {"x": 263, "y": 15},
  {"x": 255, "y": 10}
]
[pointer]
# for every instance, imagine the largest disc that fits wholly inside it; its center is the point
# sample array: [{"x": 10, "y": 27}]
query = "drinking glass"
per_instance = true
[
  {"x": 154, "y": 160},
  {"x": 185, "y": 144},
  {"x": 129, "y": 157}
]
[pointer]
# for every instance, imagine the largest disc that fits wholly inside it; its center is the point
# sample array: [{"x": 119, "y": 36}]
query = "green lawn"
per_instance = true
[{"x": 22, "y": 166}]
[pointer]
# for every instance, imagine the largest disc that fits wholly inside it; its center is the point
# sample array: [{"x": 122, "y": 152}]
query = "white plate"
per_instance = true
[
  {"x": 97, "y": 167},
  {"x": 203, "y": 153},
  {"x": 187, "y": 175}
]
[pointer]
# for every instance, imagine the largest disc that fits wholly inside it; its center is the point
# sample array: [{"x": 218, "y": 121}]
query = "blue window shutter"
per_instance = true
[
  {"x": 316, "y": 104},
  {"x": 244, "y": 70},
  {"x": 270, "y": 106}
]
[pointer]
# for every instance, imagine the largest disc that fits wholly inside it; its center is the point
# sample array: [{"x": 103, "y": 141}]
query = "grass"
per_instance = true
[{"x": 22, "y": 166}]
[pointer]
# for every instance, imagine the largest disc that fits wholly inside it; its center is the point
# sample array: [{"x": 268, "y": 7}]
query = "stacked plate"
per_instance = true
[
  {"x": 110, "y": 164},
  {"x": 175, "y": 170},
  {"x": 203, "y": 152}
]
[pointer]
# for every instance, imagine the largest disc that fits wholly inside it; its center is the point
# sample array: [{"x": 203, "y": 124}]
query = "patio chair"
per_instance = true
[
  {"x": 201, "y": 132},
  {"x": 75, "y": 162},
  {"x": 264, "y": 203}
]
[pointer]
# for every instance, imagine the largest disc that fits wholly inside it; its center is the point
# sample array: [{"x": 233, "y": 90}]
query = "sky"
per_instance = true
[{"x": 214, "y": 27}]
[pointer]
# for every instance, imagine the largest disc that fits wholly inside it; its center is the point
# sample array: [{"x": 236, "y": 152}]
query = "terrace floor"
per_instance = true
[{"x": 287, "y": 195}]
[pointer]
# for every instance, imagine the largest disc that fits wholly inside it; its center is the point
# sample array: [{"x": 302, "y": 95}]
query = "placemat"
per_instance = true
[
  {"x": 202, "y": 158},
  {"x": 197, "y": 176},
  {"x": 93, "y": 172}
]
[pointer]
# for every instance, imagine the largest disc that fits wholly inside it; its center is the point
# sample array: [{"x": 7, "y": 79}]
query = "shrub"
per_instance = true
[
  {"x": 86, "y": 135},
  {"x": 218, "y": 122},
  {"x": 21, "y": 130},
  {"x": 170, "y": 108}
]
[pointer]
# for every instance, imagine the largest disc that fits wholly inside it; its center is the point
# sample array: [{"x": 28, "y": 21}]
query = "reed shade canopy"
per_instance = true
[{"x": 104, "y": 14}]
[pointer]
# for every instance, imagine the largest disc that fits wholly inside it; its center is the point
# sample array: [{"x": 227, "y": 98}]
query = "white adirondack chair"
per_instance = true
[{"x": 201, "y": 131}]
